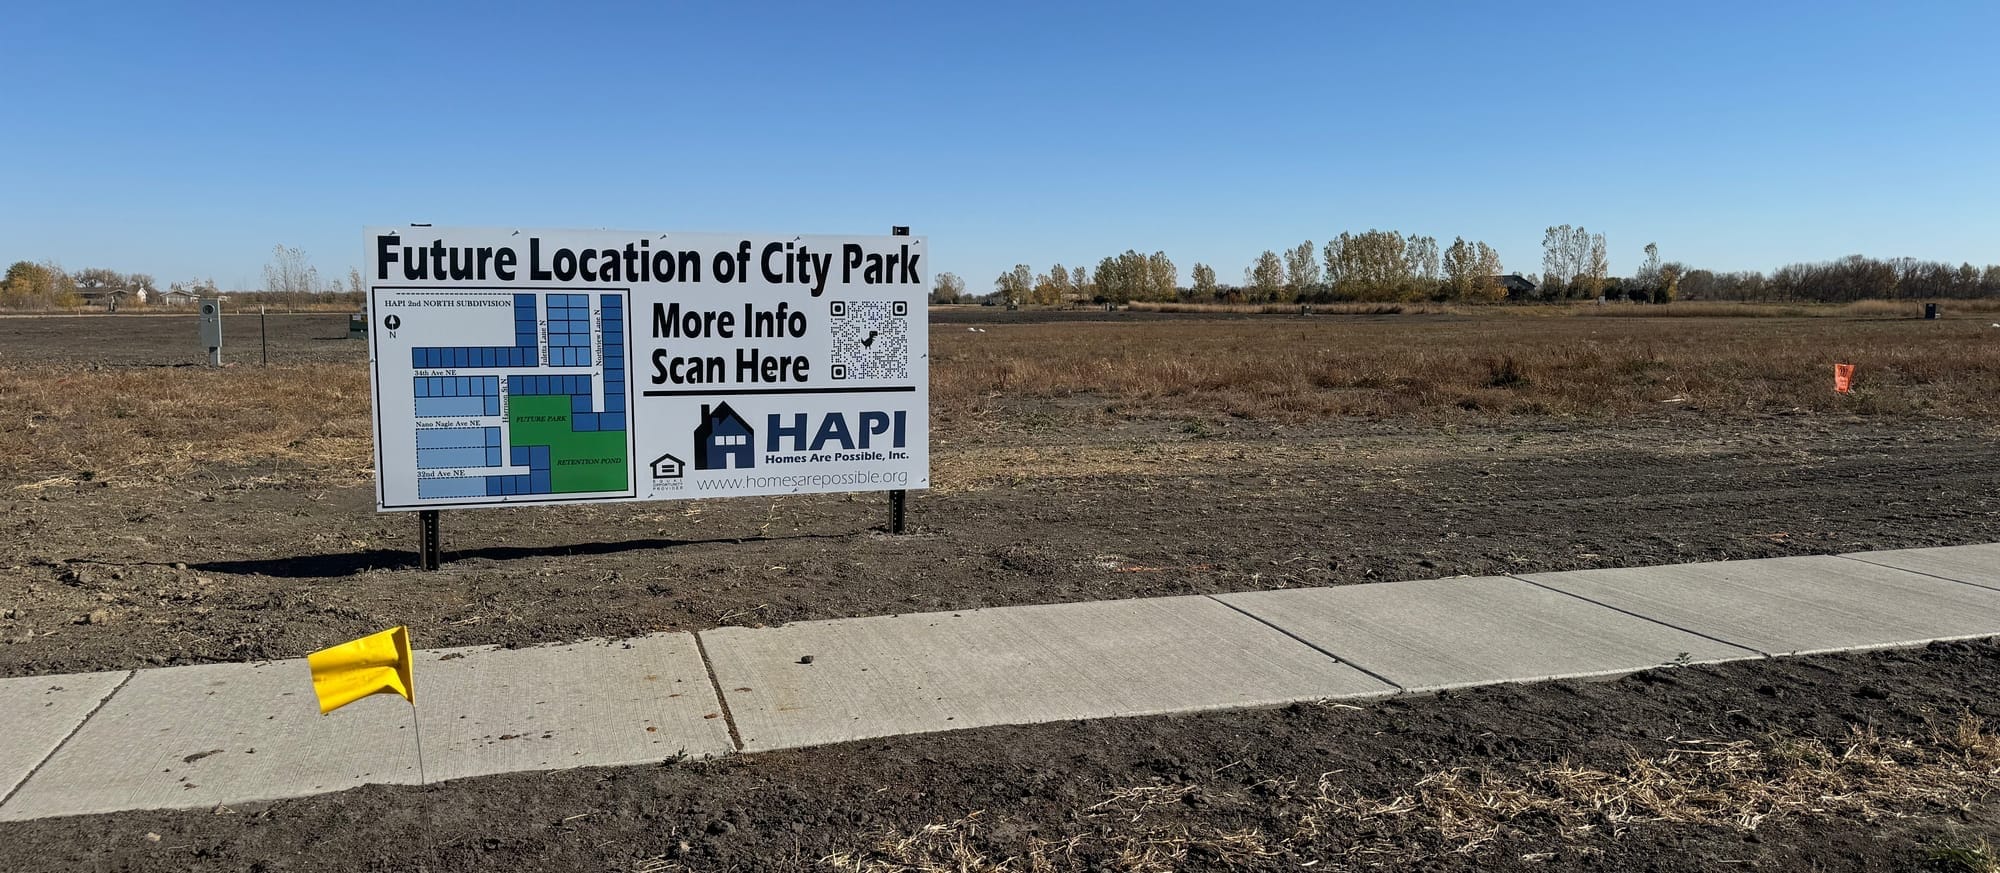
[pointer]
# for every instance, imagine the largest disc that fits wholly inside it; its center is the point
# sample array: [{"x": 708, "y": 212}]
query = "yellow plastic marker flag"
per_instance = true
[{"x": 374, "y": 664}]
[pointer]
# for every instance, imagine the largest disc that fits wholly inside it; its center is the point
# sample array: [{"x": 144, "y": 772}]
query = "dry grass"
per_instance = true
[
  {"x": 1610, "y": 309},
  {"x": 1386, "y": 308},
  {"x": 1910, "y": 309},
  {"x": 1304, "y": 369},
  {"x": 1739, "y": 785},
  {"x": 146, "y": 425},
  {"x": 1977, "y": 857},
  {"x": 135, "y": 426}
]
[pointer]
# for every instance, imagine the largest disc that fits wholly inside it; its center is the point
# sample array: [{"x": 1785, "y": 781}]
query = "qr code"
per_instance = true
[{"x": 871, "y": 339}]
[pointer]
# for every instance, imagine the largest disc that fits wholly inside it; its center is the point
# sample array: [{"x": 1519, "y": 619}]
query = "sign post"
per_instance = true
[
  {"x": 430, "y": 546},
  {"x": 523, "y": 367},
  {"x": 898, "y": 497}
]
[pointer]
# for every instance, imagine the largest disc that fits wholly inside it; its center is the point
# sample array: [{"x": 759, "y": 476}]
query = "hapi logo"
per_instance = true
[
  {"x": 723, "y": 440},
  {"x": 836, "y": 431}
]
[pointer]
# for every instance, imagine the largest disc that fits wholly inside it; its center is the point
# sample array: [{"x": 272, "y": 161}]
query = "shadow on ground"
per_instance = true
[{"x": 350, "y": 563}]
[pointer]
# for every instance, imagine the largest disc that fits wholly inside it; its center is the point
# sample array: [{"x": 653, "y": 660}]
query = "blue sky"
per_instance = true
[{"x": 187, "y": 140}]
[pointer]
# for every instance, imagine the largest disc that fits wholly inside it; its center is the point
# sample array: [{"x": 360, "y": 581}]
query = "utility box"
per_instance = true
[
  {"x": 210, "y": 315},
  {"x": 357, "y": 325},
  {"x": 1930, "y": 311}
]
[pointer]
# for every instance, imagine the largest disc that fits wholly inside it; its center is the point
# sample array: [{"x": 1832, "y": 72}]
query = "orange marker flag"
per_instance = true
[
  {"x": 374, "y": 664},
  {"x": 1843, "y": 378}
]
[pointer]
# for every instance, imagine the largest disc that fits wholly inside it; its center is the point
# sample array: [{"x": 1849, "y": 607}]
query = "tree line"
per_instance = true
[
  {"x": 1373, "y": 265},
  {"x": 46, "y": 285},
  {"x": 290, "y": 279},
  {"x": 1390, "y": 266}
]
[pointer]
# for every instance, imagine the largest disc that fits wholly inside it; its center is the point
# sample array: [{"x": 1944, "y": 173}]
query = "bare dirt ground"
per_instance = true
[
  {"x": 153, "y": 512},
  {"x": 1875, "y": 762}
]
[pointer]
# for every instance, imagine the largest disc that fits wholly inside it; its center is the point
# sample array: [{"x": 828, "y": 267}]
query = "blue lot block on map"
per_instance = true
[
  {"x": 613, "y": 306},
  {"x": 465, "y": 486},
  {"x": 457, "y": 396},
  {"x": 444, "y": 448},
  {"x": 569, "y": 330},
  {"x": 536, "y": 459}
]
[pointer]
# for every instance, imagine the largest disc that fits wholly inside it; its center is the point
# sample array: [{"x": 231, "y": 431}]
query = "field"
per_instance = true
[{"x": 156, "y": 512}]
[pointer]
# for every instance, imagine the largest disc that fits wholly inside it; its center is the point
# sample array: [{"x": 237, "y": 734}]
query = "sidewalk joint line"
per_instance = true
[
  {"x": 1309, "y": 644},
  {"x": 721, "y": 700},
  {"x": 1755, "y": 651},
  {"x": 67, "y": 737},
  {"x": 1918, "y": 572}
]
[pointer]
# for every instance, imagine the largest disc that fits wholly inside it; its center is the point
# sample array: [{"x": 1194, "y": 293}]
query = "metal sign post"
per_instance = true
[
  {"x": 899, "y": 498},
  {"x": 430, "y": 552}
]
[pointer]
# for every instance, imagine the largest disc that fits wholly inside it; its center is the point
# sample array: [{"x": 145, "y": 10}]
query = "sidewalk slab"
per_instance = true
[
  {"x": 1452, "y": 633},
  {"x": 876, "y": 677},
  {"x": 1973, "y": 565},
  {"x": 40, "y": 712},
  {"x": 1799, "y": 606},
  {"x": 485, "y": 710},
  {"x": 218, "y": 734}
]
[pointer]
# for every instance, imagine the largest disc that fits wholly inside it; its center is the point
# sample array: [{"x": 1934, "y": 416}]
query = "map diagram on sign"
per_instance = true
[{"x": 527, "y": 404}]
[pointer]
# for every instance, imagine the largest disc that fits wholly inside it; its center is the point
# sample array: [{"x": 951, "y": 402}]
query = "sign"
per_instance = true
[{"x": 529, "y": 367}]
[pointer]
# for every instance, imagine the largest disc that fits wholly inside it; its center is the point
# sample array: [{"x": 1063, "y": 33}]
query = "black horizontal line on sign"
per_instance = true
[{"x": 729, "y": 392}]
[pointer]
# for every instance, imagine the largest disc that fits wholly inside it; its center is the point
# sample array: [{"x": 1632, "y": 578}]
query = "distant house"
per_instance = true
[
  {"x": 1516, "y": 285},
  {"x": 109, "y": 298},
  {"x": 723, "y": 440},
  {"x": 178, "y": 297}
]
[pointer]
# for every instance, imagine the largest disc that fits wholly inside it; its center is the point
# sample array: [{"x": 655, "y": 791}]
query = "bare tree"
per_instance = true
[
  {"x": 1573, "y": 262},
  {"x": 290, "y": 275}
]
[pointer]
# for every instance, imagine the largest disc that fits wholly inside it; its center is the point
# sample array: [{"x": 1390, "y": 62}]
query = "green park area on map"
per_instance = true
[{"x": 585, "y": 461}]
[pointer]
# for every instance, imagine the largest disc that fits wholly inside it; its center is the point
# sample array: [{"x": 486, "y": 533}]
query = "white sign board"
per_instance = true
[{"x": 524, "y": 367}]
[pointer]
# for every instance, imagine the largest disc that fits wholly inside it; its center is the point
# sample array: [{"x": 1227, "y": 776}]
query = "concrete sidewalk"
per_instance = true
[{"x": 231, "y": 733}]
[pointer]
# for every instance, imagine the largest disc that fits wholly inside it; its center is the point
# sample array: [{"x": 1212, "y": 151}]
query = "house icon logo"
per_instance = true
[
  {"x": 723, "y": 440},
  {"x": 667, "y": 467}
]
